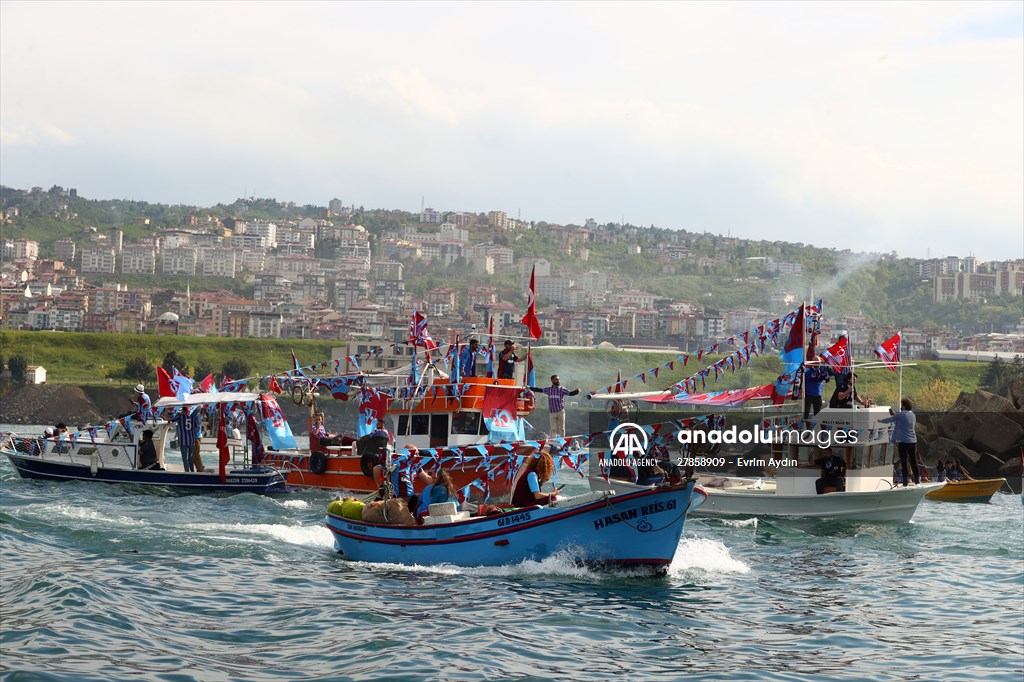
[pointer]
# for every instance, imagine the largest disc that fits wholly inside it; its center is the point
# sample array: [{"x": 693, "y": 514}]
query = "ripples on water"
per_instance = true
[{"x": 109, "y": 582}]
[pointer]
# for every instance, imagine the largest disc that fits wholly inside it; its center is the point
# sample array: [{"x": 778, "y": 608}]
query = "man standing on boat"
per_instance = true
[
  {"x": 556, "y": 404},
  {"x": 815, "y": 376},
  {"x": 188, "y": 428},
  {"x": 507, "y": 361},
  {"x": 905, "y": 436},
  {"x": 468, "y": 356}
]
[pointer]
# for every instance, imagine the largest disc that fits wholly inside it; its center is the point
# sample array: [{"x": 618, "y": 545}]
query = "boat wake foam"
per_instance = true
[
  {"x": 740, "y": 523},
  {"x": 563, "y": 563},
  {"x": 698, "y": 557}
]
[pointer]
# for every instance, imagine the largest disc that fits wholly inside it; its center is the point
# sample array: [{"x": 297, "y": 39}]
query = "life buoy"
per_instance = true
[
  {"x": 367, "y": 461},
  {"x": 317, "y": 462}
]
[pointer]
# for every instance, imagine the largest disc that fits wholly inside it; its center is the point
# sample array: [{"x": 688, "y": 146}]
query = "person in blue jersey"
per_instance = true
[
  {"x": 833, "y": 472},
  {"x": 189, "y": 432},
  {"x": 537, "y": 470},
  {"x": 815, "y": 377},
  {"x": 905, "y": 436},
  {"x": 440, "y": 490},
  {"x": 468, "y": 357}
]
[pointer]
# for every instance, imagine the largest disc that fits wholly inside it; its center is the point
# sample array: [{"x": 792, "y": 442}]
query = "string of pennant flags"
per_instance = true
[
  {"x": 237, "y": 411},
  {"x": 748, "y": 344}
]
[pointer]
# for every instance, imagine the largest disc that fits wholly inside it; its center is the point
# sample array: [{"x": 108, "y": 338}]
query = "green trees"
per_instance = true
[
  {"x": 203, "y": 370},
  {"x": 139, "y": 369},
  {"x": 999, "y": 374},
  {"x": 236, "y": 369},
  {"x": 173, "y": 360},
  {"x": 17, "y": 364}
]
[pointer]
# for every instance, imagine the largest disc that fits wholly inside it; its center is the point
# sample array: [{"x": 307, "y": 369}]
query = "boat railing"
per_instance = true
[
  {"x": 288, "y": 464},
  {"x": 23, "y": 445}
]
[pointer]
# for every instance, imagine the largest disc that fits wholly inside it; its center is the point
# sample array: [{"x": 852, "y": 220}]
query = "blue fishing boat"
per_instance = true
[{"x": 639, "y": 528}]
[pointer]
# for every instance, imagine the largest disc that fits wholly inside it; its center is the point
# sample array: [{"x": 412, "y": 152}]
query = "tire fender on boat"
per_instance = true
[
  {"x": 317, "y": 462},
  {"x": 366, "y": 463}
]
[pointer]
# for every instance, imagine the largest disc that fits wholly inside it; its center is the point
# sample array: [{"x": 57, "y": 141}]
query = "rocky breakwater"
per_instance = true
[
  {"x": 53, "y": 403},
  {"x": 983, "y": 431}
]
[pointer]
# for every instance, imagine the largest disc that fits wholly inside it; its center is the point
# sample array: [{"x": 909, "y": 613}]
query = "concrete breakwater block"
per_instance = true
[{"x": 958, "y": 425}]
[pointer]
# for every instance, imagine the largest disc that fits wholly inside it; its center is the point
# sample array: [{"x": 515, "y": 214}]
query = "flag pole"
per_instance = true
[{"x": 899, "y": 347}]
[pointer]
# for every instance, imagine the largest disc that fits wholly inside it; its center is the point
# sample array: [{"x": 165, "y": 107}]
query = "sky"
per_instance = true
[{"x": 871, "y": 126}]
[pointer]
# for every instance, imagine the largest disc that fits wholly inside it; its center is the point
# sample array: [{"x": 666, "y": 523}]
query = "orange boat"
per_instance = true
[
  {"x": 980, "y": 490},
  {"x": 432, "y": 420}
]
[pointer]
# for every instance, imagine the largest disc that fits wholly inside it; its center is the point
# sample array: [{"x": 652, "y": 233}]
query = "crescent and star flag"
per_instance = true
[
  {"x": 530, "y": 319},
  {"x": 838, "y": 355},
  {"x": 889, "y": 351}
]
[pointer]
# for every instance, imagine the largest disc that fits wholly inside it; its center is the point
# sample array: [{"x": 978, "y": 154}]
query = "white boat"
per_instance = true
[
  {"x": 95, "y": 455},
  {"x": 791, "y": 492}
]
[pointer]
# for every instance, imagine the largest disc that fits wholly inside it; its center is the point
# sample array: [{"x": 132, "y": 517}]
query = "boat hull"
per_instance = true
[
  {"x": 640, "y": 528},
  {"x": 980, "y": 490},
  {"x": 896, "y": 504},
  {"x": 237, "y": 481}
]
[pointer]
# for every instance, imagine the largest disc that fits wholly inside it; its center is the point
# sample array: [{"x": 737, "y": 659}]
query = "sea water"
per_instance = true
[{"x": 115, "y": 582}]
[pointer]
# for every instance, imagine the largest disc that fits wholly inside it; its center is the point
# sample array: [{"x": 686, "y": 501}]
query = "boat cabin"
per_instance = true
[
  {"x": 436, "y": 419},
  {"x": 855, "y": 435}
]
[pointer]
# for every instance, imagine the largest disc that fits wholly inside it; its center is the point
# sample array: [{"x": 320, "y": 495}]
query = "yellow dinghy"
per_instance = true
[{"x": 980, "y": 490}]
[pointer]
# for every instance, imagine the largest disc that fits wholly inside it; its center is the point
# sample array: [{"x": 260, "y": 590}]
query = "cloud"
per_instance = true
[{"x": 894, "y": 124}]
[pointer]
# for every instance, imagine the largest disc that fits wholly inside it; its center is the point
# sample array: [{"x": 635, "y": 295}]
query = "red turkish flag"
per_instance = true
[{"x": 530, "y": 320}]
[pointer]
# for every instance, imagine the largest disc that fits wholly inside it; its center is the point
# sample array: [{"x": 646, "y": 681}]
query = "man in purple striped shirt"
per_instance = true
[{"x": 556, "y": 404}]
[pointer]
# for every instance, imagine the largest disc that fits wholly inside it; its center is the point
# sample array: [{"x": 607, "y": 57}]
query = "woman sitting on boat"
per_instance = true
[
  {"x": 537, "y": 470},
  {"x": 321, "y": 434},
  {"x": 439, "y": 491},
  {"x": 955, "y": 472}
]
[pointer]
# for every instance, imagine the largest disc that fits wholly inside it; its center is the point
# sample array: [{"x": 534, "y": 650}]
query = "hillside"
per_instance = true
[{"x": 718, "y": 271}]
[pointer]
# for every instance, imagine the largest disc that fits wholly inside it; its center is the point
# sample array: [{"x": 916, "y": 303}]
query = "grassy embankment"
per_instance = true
[
  {"x": 81, "y": 358},
  {"x": 84, "y": 358}
]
